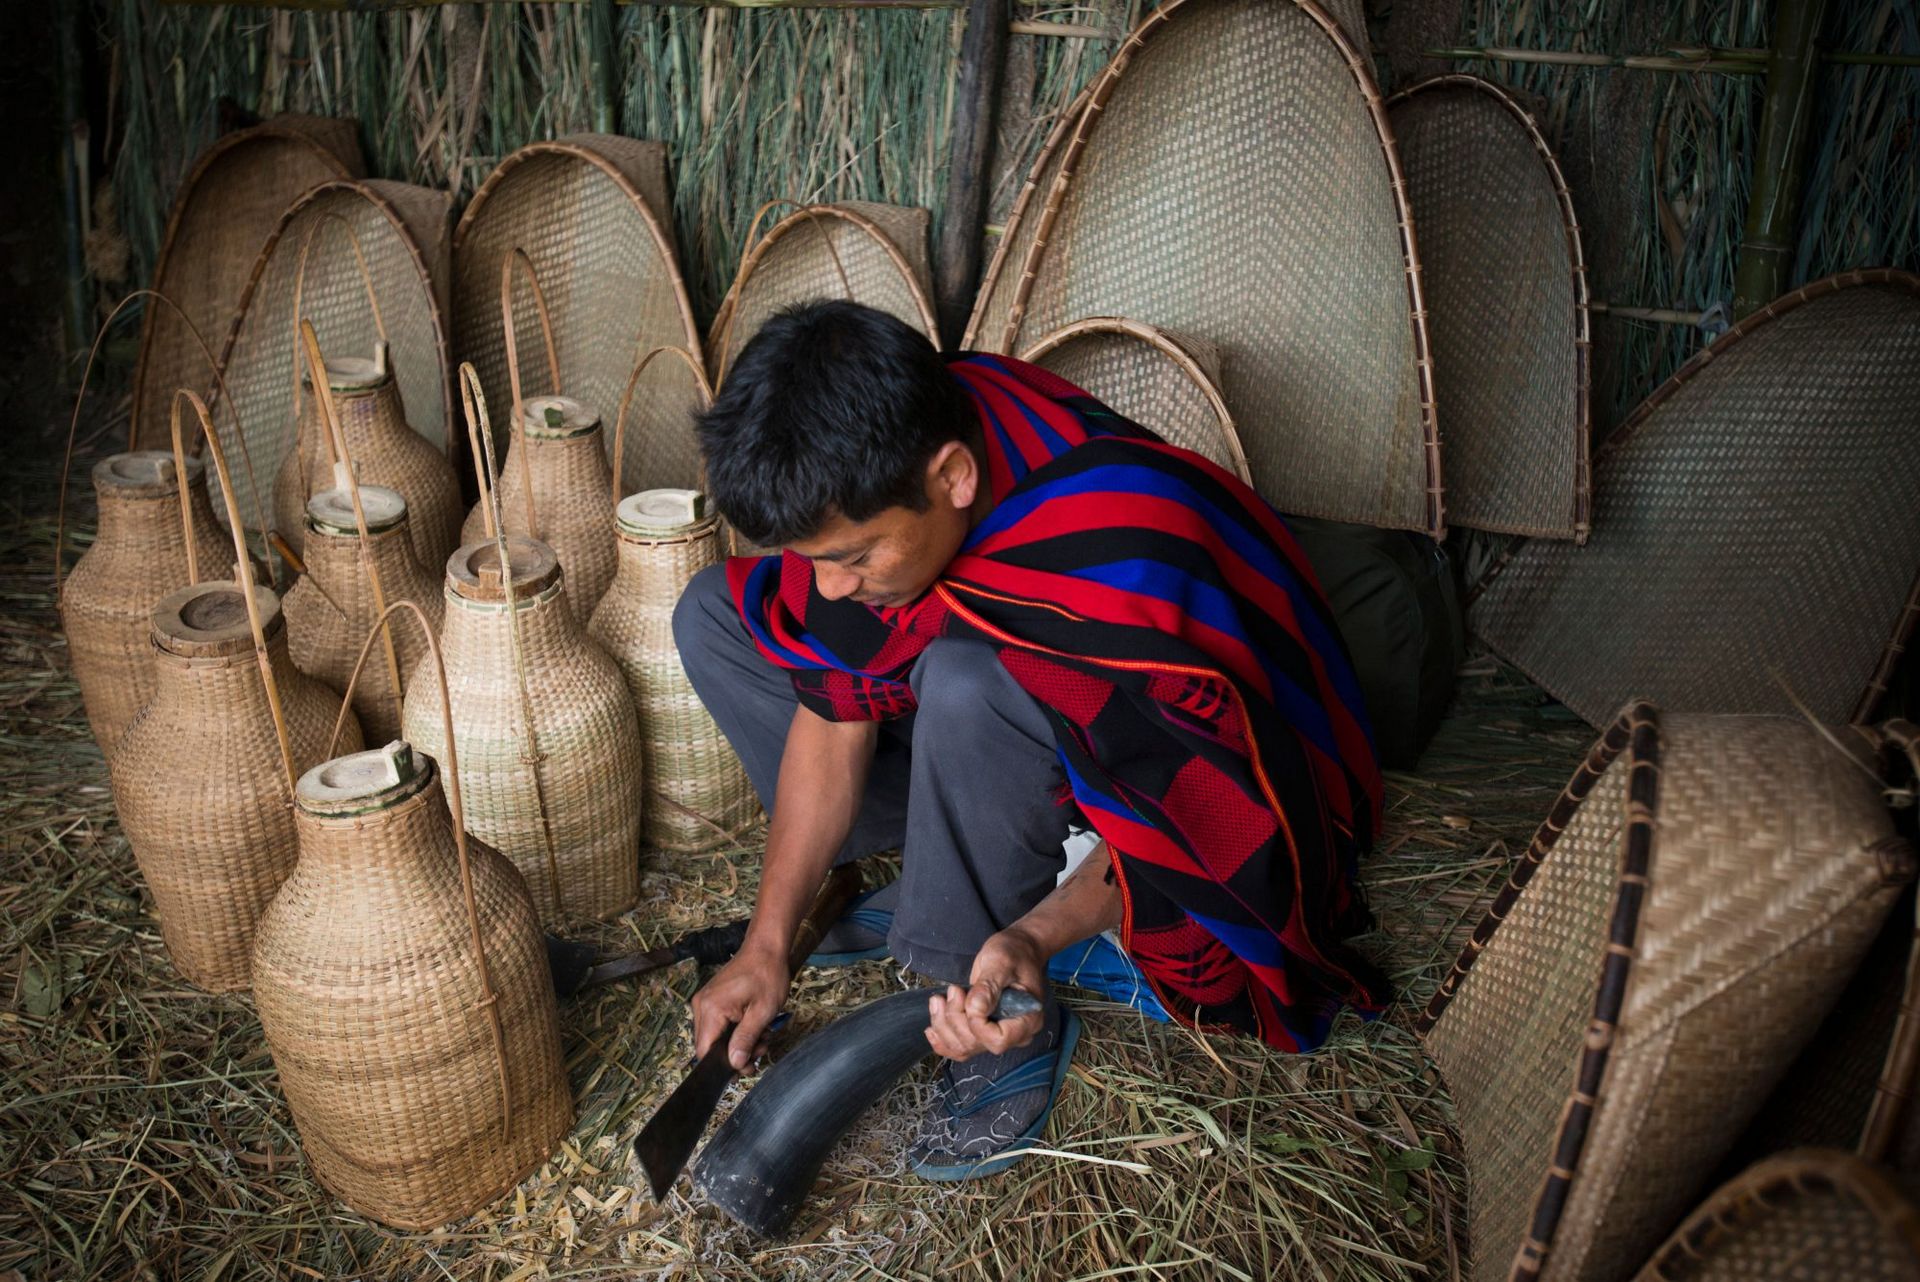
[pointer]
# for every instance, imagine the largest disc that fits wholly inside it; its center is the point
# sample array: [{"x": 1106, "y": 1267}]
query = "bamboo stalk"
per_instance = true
[
  {"x": 1731, "y": 62},
  {"x": 1658, "y": 315},
  {"x": 1780, "y": 162},
  {"x": 601, "y": 69},
  {"x": 386, "y": 6}
]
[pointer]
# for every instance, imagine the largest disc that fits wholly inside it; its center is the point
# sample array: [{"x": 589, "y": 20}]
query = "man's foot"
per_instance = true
[
  {"x": 989, "y": 1110},
  {"x": 861, "y": 932}
]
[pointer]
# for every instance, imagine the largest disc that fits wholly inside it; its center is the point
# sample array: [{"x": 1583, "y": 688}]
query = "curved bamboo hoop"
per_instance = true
[
  {"x": 489, "y": 1001},
  {"x": 242, "y": 570},
  {"x": 692, "y": 362},
  {"x": 725, "y": 313},
  {"x": 513, "y": 363},
  {"x": 1893, "y": 1094}
]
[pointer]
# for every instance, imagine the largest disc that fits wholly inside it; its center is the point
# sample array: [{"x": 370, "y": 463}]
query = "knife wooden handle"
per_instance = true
[{"x": 836, "y": 892}]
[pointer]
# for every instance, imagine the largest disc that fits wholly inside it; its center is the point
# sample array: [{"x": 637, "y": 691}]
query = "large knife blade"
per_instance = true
[
  {"x": 667, "y": 1141},
  {"x": 574, "y": 966}
]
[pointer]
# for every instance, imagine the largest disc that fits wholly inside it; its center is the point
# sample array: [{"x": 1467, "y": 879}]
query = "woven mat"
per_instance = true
[
  {"x": 871, "y": 254},
  {"x": 1756, "y": 524},
  {"x": 591, "y": 211},
  {"x": 403, "y": 232},
  {"x": 1230, "y": 178},
  {"x": 1506, "y": 306},
  {"x": 227, "y": 207}
]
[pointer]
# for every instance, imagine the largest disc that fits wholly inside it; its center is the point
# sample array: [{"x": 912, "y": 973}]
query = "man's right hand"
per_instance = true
[{"x": 748, "y": 992}]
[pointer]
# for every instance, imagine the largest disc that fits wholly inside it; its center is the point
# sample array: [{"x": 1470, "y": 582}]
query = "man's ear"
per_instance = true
[{"x": 953, "y": 475}]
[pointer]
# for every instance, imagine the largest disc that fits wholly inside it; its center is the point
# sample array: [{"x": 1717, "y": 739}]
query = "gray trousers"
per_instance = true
[{"x": 965, "y": 788}]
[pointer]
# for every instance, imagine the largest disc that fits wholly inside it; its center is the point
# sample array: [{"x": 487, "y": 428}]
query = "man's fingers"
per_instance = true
[
  {"x": 982, "y": 997},
  {"x": 747, "y": 1038}
]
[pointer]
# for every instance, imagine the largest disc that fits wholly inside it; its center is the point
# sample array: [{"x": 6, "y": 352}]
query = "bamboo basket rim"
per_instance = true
[
  {"x": 1582, "y": 294},
  {"x": 577, "y": 147},
  {"x": 729, "y": 307},
  {"x": 1101, "y": 92},
  {"x": 1903, "y": 627},
  {"x": 1900, "y": 1069},
  {"x": 1636, "y": 733},
  {"x": 1796, "y": 1170},
  {"x": 274, "y": 129},
  {"x": 1168, "y": 344},
  {"x": 436, "y": 314}
]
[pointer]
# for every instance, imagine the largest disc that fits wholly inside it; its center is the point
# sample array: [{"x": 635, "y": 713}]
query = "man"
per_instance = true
[{"x": 1002, "y": 609}]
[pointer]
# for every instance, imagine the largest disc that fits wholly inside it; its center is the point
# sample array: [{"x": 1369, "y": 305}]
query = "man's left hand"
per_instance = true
[{"x": 959, "y": 1028}]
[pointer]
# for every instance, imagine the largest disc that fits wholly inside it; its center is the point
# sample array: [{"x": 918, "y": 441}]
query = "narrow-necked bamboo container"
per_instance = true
[
  {"x": 554, "y": 483},
  {"x": 698, "y": 796},
  {"x": 139, "y": 555},
  {"x": 202, "y": 777},
  {"x": 548, "y": 739},
  {"x": 402, "y": 984}
]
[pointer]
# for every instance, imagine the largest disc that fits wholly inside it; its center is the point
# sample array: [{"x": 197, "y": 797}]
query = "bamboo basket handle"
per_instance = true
[
  {"x": 519, "y": 256},
  {"x": 473, "y": 399},
  {"x": 721, "y": 317},
  {"x": 482, "y": 455},
  {"x": 73, "y": 428},
  {"x": 626, "y": 402},
  {"x": 489, "y": 1000},
  {"x": 343, "y": 475},
  {"x": 242, "y": 570},
  {"x": 818, "y": 216},
  {"x": 299, "y": 290}
]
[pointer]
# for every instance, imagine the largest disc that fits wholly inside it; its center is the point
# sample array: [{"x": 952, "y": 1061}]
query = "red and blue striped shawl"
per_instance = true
[{"x": 1208, "y": 719}]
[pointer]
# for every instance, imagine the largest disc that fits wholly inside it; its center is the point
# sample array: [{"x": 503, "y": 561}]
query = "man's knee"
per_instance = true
[
  {"x": 956, "y": 683},
  {"x": 704, "y": 617}
]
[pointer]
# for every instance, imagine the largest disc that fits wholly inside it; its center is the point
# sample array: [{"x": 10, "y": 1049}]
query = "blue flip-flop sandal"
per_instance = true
[
  {"x": 1041, "y": 1070},
  {"x": 877, "y": 920}
]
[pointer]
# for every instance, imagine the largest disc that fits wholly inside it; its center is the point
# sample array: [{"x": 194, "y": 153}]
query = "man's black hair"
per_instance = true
[{"x": 830, "y": 408}]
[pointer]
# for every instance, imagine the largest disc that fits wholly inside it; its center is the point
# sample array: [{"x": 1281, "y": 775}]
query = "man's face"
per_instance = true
[{"x": 892, "y": 559}]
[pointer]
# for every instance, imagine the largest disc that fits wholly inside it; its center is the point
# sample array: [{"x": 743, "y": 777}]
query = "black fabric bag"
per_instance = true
[{"x": 1398, "y": 608}]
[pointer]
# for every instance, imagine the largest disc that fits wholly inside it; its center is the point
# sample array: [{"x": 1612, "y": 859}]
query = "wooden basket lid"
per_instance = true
[
  {"x": 473, "y": 572},
  {"x": 209, "y": 620},
  {"x": 363, "y": 782},
  {"x": 657, "y": 514},
  {"x": 142, "y": 474},
  {"x": 330, "y": 512},
  {"x": 556, "y": 418}
]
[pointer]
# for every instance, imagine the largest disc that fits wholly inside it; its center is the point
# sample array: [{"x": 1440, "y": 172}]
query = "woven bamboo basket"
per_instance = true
[
  {"x": 1164, "y": 206},
  {"x": 225, "y": 210},
  {"x": 592, "y": 213},
  {"x": 1506, "y": 285},
  {"x": 366, "y": 262},
  {"x": 333, "y": 602},
  {"x": 1689, "y": 910},
  {"x": 138, "y": 555},
  {"x": 1167, "y": 383},
  {"x": 1756, "y": 531},
  {"x": 697, "y": 793},
  {"x": 1808, "y": 1216},
  {"x": 402, "y": 984},
  {"x": 549, "y": 742},
  {"x": 202, "y": 776},
  {"x": 866, "y": 253}
]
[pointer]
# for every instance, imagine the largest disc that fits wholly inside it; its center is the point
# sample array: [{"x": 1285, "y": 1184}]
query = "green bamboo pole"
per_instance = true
[
  {"x": 1780, "y": 161},
  {"x": 1729, "y": 62},
  {"x": 601, "y": 71}
]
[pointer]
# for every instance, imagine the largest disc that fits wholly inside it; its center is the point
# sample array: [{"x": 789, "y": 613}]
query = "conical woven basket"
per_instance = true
[
  {"x": 592, "y": 213},
  {"x": 698, "y": 796},
  {"x": 225, "y": 210},
  {"x": 1806, "y": 1216},
  {"x": 866, "y": 253},
  {"x": 416, "y": 1037},
  {"x": 1685, "y": 916},
  {"x": 365, "y": 262},
  {"x": 1167, "y": 383},
  {"x": 332, "y": 604},
  {"x": 549, "y": 742},
  {"x": 1756, "y": 531},
  {"x": 1177, "y": 200},
  {"x": 385, "y": 452},
  {"x": 138, "y": 555},
  {"x": 1506, "y": 287}
]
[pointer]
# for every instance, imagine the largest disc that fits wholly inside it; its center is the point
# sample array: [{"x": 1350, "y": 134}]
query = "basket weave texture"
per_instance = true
[
  {"x": 385, "y": 451},
  {"x": 1000, "y": 283},
  {"x": 1167, "y": 383},
  {"x": 697, "y": 793},
  {"x": 1756, "y": 524},
  {"x": 591, "y": 211},
  {"x": 585, "y": 787},
  {"x": 138, "y": 556},
  {"x": 1693, "y": 905},
  {"x": 867, "y": 253},
  {"x": 368, "y": 991},
  {"x": 1506, "y": 292},
  {"x": 201, "y": 789},
  {"x": 225, "y": 211},
  {"x": 1808, "y": 1216},
  {"x": 1232, "y": 178},
  {"x": 330, "y": 610}
]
